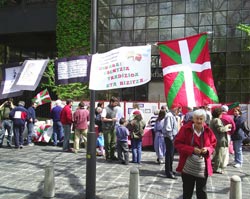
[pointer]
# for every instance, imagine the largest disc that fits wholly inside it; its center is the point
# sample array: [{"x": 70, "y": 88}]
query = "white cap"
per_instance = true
[{"x": 224, "y": 108}]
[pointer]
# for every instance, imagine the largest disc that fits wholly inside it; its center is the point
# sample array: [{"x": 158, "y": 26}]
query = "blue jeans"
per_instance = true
[
  {"x": 238, "y": 158},
  {"x": 136, "y": 145},
  {"x": 7, "y": 125},
  {"x": 57, "y": 132},
  {"x": 30, "y": 127},
  {"x": 67, "y": 132}
]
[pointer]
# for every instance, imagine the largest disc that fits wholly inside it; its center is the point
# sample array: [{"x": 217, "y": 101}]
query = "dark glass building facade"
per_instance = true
[{"x": 29, "y": 32}]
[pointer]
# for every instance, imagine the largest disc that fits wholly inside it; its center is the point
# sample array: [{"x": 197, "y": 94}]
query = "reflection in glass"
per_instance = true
[
  {"x": 127, "y": 23},
  {"x": 165, "y": 21},
  {"x": 205, "y": 18},
  {"x": 191, "y": 20},
  {"x": 178, "y": 20},
  {"x": 115, "y": 24},
  {"x": 139, "y": 36},
  {"x": 152, "y": 9},
  {"x": 177, "y": 33},
  {"x": 165, "y": 8},
  {"x": 127, "y": 11},
  {"x": 140, "y": 10},
  {"x": 139, "y": 22},
  {"x": 164, "y": 34},
  {"x": 152, "y": 22}
]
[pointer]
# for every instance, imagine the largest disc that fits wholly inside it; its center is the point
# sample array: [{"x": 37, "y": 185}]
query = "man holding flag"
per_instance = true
[{"x": 187, "y": 71}]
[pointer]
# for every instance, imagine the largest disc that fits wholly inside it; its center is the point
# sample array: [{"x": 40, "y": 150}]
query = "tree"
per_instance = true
[{"x": 73, "y": 39}]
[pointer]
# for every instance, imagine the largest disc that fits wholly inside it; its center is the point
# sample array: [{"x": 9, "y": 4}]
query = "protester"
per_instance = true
[
  {"x": 108, "y": 128},
  {"x": 122, "y": 134},
  {"x": 237, "y": 137},
  {"x": 5, "y": 109},
  {"x": 31, "y": 122},
  {"x": 159, "y": 142},
  {"x": 221, "y": 149},
  {"x": 188, "y": 117},
  {"x": 57, "y": 124},
  {"x": 119, "y": 113},
  {"x": 169, "y": 130},
  {"x": 151, "y": 123},
  {"x": 136, "y": 107},
  {"x": 66, "y": 119},
  {"x": 195, "y": 140},
  {"x": 228, "y": 119},
  {"x": 137, "y": 131},
  {"x": 80, "y": 119},
  {"x": 19, "y": 116}
]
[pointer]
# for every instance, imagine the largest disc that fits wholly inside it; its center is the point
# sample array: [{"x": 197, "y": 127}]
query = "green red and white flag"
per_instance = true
[
  {"x": 42, "y": 98},
  {"x": 187, "y": 73}
]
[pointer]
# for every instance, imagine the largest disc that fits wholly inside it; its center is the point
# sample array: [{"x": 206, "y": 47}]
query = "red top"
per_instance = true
[
  {"x": 183, "y": 140},
  {"x": 81, "y": 118},
  {"x": 66, "y": 115}
]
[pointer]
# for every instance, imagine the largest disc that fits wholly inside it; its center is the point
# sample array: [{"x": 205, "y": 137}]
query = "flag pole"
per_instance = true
[{"x": 91, "y": 136}]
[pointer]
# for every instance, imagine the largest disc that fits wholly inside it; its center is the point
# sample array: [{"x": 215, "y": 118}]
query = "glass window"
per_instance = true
[
  {"x": 191, "y": 20},
  {"x": 128, "y": 94},
  {"x": 246, "y": 4},
  {"x": 152, "y": 22},
  {"x": 140, "y": 23},
  {"x": 127, "y": 11},
  {"x": 220, "y": 31},
  {"x": 233, "y": 97},
  {"x": 246, "y": 17},
  {"x": 178, "y": 7},
  {"x": 232, "y": 31},
  {"x": 205, "y": 19},
  {"x": 14, "y": 54},
  {"x": 233, "y": 85},
  {"x": 233, "y": 58},
  {"x": 245, "y": 58},
  {"x": 164, "y": 34},
  {"x": 165, "y": 8},
  {"x": 234, "y": 5},
  {"x": 152, "y": 35},
  {"x": 103, "y": 37},
  {"x": 2, "y": 54},
  {"x": 218, "y": 59},
  {"x": 220, "y": 18},
  {"x": 233, "y": 44},
  {"x": 205, "y": 5},
  {"x": 165, "y": 21},
  {"x": 103, "y": 12},
  {"x": 115, "y": 11},
  {"x": 220, "y": 5},
  {"x": 208, "y": 29},
  {"x": 233, "y": 17},
  {"x": 115, "y": 24},
  {"x": 115, "y": 2},
  {"x": 102, "y": 48},
  {"x": 245, "y": 85},
  {"x": 140, "y": 10},
  {"x": 245, "y": 97},
  {"x": 127, "y": 1},
  {"x": 140, "y": 1},
  {"x": 116, "y": 36},
  {"x": 127, "y": 23},
  {"x": 192, "y": 6},
  {"x": 177, "y": 33},
  {"x": 103, "y": 24},
  {"x": 233, "y": 71},
  {"x": 219, "y": 45},
  {"x": 245, "y": 72},
  {"x": 141, "y": 92},
  {"x": 178, "y": 20},
  {"x": 139, "y": 36},
  {"x": 191, "y": 31},
  {"x": 154, "y": 61},
  {"x": 127, "y": 36},
  {"x": 152, "y": 9}
]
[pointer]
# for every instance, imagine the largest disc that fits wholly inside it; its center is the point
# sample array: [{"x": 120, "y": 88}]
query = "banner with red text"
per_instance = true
[{"x": 120, "y": 68}]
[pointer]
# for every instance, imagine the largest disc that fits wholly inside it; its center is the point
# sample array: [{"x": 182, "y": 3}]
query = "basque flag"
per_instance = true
[
  {"x": 42, "y": 98},
  {"x": 187, "y": 73}
]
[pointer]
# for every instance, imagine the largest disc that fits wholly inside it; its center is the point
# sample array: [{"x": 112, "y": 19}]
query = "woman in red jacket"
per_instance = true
[{"x": 195, "y": 139}]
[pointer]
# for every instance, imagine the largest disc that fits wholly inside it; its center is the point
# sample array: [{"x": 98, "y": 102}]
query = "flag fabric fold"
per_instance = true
[
  {"x": 187, "y": 73},
  {"x": 42, "y": 98}
]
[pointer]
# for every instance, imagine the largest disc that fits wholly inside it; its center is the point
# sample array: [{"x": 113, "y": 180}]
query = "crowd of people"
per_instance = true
[{"x": 203, "y": 138}]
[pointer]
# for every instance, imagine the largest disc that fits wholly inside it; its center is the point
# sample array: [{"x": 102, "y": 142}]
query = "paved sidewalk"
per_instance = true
[{"x": 22, "y": 176}]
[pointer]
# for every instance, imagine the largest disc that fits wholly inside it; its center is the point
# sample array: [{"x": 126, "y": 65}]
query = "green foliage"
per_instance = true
[
  {"x": 73, "y": 39},
  {"x": 246, "y": 29}
]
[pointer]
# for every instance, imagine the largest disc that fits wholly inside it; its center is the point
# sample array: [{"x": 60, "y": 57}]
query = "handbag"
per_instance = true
[{"x": 195, "y": 165}]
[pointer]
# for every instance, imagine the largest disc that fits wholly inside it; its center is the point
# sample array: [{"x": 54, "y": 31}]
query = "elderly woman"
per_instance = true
[
  {"x": 220, "y": 130},
  {"x": 195, "y": 143}
]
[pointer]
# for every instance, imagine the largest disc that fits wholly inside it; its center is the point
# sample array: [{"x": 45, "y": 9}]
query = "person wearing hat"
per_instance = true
[
  {"x": 19, "y": 116},
  {"x": 137, "y": 131}
]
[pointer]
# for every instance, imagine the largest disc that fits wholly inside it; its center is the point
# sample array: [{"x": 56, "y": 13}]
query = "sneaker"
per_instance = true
[
  {"x": 31, "y": 144},
  {"x": 237, "y": 165},
  {"x": 21, "y": 146}
]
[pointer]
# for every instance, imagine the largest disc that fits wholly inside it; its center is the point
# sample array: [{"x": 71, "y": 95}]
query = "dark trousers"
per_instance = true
[
  {"x": 18, "y": 135},
  {"x": 169, "y": 156},
  {"x": 122, "y": 151},
  {"x": 189, "y": 182}
]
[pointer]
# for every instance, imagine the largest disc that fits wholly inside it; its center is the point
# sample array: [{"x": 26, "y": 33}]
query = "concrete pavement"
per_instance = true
[{"x": 22, "y": 176}]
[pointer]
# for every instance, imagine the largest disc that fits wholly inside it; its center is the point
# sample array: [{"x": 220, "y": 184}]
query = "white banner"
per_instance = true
[
  {"x": 31, "y": 74},
  {"x": 120, "y": 68}
]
